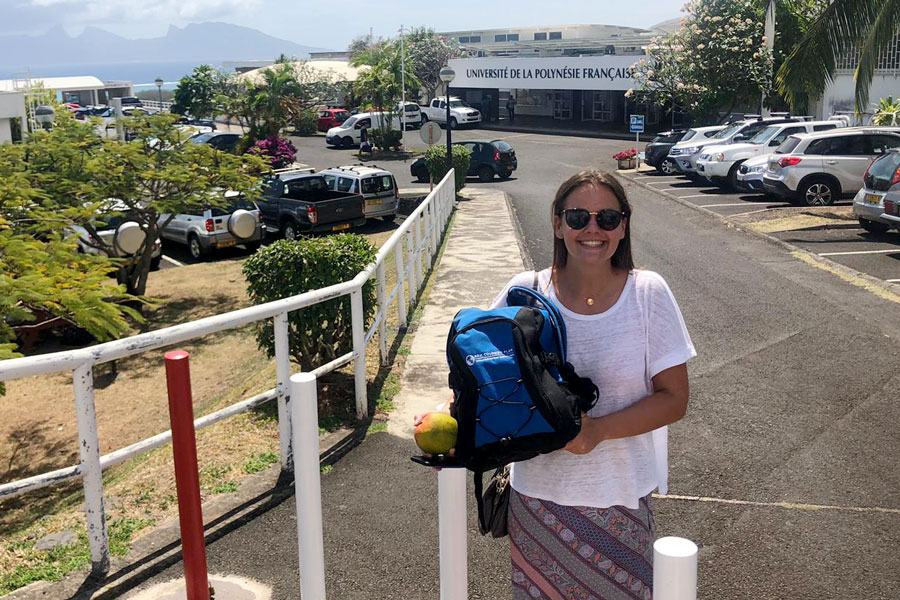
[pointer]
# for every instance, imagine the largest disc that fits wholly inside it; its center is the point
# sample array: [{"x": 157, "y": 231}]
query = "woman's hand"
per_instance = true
[
  {"x": 587, "y": 439},
  {"x": 417, "y": 420}
]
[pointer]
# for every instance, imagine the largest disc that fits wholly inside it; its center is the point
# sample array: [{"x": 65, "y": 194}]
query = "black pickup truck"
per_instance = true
[{"x": 297, "y": 203}]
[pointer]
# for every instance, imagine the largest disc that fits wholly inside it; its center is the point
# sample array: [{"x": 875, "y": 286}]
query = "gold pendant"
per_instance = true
[{"x": 590, "y": 301}]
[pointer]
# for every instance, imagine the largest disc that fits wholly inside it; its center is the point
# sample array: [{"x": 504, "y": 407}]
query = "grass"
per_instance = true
[{"x": 141, "y": 491}]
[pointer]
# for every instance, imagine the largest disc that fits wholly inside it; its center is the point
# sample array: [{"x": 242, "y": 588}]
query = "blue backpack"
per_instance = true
[{"x": 515, "y": 396}]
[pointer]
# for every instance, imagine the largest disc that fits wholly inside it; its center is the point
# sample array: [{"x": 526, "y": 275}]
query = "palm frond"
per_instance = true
[
  {"x": 879, "y": 37},
  {"x": 811, "y": 65}
]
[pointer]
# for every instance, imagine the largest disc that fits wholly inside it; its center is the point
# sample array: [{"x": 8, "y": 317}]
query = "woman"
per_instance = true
[{"x": 580, "y": 520}]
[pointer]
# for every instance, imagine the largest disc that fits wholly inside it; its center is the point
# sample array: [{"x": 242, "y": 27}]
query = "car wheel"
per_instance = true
[
  {"x": 424, "y": 118},
  {"x": 289, "y": 230},
  {"x": 388, "y": 218},
  {"x": 485, "y": 174},
  {"x": 422, "y": 177},
  {"x": 818, "y": 192},
  {"x": 453, "y": 123},
  {"x": 252, "y": 247},
  {"x": 505, "y": 174},
  {"x": 347, "y": 142},
  {"x": 194, "y": 247},
  {"x": 667, "y": 167},
  {"x": 154, "y": 263},
  {"x": 732, "y": 180},
  {"x": 873, "y": 226}
]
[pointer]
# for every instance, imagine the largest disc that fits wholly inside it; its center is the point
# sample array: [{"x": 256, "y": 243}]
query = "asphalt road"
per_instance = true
[{"x": 790, "y": 438}]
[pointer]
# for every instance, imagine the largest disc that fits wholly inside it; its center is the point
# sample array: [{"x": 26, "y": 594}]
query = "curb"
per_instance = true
[
  {"x": 520, "y": 235},
  {"x": 609, "y": 135},
  {"x": 846, "y": 272}
]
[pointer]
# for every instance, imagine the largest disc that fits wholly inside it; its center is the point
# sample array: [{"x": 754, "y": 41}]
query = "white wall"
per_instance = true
[
  {"x": 12, "y": 104},
  {"x": 840, "y": 94}
]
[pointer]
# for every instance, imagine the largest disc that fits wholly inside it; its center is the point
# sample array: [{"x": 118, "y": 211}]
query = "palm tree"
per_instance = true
[{"x": 843, "y": 27}]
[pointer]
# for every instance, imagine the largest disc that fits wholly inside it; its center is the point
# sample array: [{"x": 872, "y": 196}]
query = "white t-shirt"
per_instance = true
[{"x": 620, "y": 352}]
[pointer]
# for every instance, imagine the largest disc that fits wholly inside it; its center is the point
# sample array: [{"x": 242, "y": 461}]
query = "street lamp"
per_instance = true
[
  {"x": 159, "y": 83},
  {"x": 447, "y": 74}
]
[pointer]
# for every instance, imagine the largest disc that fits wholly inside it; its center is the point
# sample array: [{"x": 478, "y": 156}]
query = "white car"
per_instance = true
[
  {"x": 460, "y": 112},
  {"x": 412, "y": 115},
  {"x": 692, "y": 143},
  {"x": 377, "y": 186},
  {"x": 750, "y": 174},
  {"x": 348, "y": 133},
  {"x": 117, "y": 231},
  {"x": 720, "y": 163},
  {"x": 875, "y": 205}
]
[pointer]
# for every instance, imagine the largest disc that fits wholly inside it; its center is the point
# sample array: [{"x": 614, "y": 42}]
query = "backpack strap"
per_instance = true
[
  {"x": 522, "y": 296},
  {"x": 477, "y": 476}
]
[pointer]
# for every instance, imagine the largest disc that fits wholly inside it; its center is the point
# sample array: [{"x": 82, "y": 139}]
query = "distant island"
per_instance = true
[{"x": 201, "y": 42}]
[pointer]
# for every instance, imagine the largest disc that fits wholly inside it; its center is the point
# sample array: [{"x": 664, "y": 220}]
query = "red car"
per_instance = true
[{"x": 332, "y": 117}]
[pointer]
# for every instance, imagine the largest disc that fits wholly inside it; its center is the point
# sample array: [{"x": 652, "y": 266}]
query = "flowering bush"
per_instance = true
[
  {"x": 276, "y": 151},
  {"x": 625, "y": 154}
]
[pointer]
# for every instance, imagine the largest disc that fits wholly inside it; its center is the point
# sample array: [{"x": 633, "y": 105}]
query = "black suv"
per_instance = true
[
  {"x": 489, "y": 158},
  {"x": 658, "y": 149}
]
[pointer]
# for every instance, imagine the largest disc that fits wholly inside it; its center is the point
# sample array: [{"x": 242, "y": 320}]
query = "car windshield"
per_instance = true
[
  {"x": 727, "y": 132},
  {"x": 788, "y": 145},
  {"x": 411, "y": 108},
  {"x": 885, "y": 166},
  {"x": 765, "y": 135},
  {"x": 458, "y": 104},
  {"x": 350, "y": 122},
  {"x": 202, "y": 138},
  {"x": 501, "y": 146}
]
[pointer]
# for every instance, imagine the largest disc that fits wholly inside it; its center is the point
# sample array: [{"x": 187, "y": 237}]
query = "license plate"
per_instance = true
[
  {"x": 226, "y": 244},
  {"x": 873, "y": 199},
  {"x": 772, "y": 166},
  {"x": 340, "y": 227},
  {"x": 373, "y": 202}
]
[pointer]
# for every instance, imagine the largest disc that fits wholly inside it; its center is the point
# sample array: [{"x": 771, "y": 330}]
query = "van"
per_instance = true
[
  {"x": 347, "y": 133},
  {"x": 377, "y": 186}
]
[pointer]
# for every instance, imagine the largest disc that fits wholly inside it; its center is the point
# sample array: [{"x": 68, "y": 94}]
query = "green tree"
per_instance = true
[
  {"x": 887, "y": 112},
  {"x": 381, "y": 84},
  {"x": 196, "y": 93},
  {"x": 862, "y": 28},
  {"x": 717, "y": 60},
  {"x": 428, "y": 53},
  {"x": 77, "y": 176}
]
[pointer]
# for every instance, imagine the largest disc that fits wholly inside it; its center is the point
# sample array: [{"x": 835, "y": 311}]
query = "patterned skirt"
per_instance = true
[{"x": 580, "y": 553}]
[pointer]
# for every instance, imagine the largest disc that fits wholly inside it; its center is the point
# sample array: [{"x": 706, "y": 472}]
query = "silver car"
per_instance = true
[
  {"x": 114, "y": 221},
  {"x": 881, "y": 182},
  {"x": 818, "y": 169},
  {"x": 210, "y": 228}
]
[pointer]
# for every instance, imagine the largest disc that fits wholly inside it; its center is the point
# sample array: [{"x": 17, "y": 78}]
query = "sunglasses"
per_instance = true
[{"x": 607, "y": 219}]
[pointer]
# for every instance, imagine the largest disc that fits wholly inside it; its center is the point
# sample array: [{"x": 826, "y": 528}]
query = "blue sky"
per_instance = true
[{"x": 321, "y": 23}]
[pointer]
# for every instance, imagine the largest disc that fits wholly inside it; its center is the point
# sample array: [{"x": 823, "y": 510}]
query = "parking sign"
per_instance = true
[{"x": 636, "y": 124}]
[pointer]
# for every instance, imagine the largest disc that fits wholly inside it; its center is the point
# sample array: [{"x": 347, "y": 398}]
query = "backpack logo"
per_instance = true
[{"x": 473, "y": 359}]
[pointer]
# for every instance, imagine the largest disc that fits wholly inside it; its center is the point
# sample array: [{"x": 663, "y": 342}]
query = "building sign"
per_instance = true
[{"x": 550, "y": 73}]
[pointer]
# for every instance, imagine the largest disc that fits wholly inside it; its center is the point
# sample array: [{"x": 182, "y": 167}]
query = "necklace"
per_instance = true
[{"x": 590, "y": 301}]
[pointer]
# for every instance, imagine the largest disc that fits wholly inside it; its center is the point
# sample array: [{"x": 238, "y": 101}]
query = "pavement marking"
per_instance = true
[
  {"x": 696, "y": 196},
  {"x": 853, "y": 280},
  {"x": 760, "y": 210},
  {"x": 717, "y": 205},
  {"x": 657, "y": 182},
  {"x": 173, "y": 261},
  {"x": 788, "y": 505},
  {"x": 895, "y": 250},
  {"x": 893, "y": 280}
]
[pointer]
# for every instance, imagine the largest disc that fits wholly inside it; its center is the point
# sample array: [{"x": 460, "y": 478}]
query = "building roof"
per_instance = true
[
  {"x": 340, "y": 69},
  {"x": 68, "y": 84}
]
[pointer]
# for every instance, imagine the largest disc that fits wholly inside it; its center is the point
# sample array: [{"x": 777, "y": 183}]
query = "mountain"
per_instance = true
[{"x": 209, "y": 42}]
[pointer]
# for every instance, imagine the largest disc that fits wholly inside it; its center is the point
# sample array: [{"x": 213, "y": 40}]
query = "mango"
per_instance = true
[{"x": 436, "y": 434}]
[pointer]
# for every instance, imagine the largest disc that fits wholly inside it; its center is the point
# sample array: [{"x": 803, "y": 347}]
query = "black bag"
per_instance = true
[
  {"x": 515, "y": 396},
  {"x": 495, "y": 504}
]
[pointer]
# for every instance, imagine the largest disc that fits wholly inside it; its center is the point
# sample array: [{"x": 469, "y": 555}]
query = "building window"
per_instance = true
[
  {"x": 500, "y": 38},
  {"x": 540, "y": 36},
  {"x": 464, "y": 40},
  {"x": 475, "y": 39},
  {"x": 513, "y": 37},
  {"x": 556, "y": 35}
]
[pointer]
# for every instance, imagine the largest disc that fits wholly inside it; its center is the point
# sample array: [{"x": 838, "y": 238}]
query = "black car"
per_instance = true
[
  {"x": 199, "y": 122},
  {"x": 226, "y": 142},
  {"x": 658, "y": 149},
  {"x": 489, "y": 158}
]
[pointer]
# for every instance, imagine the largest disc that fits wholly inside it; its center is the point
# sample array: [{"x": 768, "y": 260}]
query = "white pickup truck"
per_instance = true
[{"x": 460, "y": 112}]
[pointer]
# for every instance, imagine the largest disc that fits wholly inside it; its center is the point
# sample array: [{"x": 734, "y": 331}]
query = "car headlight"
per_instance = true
[
  {"x": 691, "y": 150},
  {"x": 717, "y": 157},
  {"x": 758, "y": 169}
]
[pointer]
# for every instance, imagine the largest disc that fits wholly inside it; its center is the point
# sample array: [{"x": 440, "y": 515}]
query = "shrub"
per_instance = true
[
  {"x": 307, "y": 123},
  {"x": 322, "y": 332},
  {"x": 276, "y": 151},
  {"x": 386, "y": 139},
  {"x": 436, "y": 159}
]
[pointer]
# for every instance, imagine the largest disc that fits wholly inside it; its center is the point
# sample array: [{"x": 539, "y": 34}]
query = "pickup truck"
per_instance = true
[
  {"x": 295, "y": 203},
  {"x": 460, "y": 112}
]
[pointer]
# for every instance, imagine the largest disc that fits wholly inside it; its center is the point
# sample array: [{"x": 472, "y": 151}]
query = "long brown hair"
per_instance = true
[{"x": 621, "y": 258}]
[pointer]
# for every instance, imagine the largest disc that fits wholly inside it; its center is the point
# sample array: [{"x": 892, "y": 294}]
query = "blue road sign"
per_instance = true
[{"x": 636, "y": 124}]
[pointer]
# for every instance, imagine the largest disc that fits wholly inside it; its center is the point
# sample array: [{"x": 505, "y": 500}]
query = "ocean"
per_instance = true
[{"x": 141, "y": 74}]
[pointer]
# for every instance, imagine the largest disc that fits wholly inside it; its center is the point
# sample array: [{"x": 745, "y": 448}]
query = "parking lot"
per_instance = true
[{"x": 830, "y": 232}]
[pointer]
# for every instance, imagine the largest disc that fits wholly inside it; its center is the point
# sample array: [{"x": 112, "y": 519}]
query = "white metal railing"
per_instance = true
[
  {"x": 422, "y": 231},
  {"x": 157, "y": 105}
]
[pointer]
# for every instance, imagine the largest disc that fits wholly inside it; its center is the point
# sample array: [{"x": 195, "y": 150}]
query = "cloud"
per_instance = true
[{"x": 91, "y": 11}]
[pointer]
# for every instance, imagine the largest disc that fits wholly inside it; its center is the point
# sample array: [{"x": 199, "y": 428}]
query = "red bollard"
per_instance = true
[{"x": 187, "y": 478}]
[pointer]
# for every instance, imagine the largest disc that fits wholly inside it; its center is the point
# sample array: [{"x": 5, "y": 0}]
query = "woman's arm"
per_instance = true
[{"x": 667, "y": 404}]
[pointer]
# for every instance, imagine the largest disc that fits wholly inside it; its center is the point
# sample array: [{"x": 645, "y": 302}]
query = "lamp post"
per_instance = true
[
  {"x": 159, "y": 83},
  {"x": 447, "y": 74}
]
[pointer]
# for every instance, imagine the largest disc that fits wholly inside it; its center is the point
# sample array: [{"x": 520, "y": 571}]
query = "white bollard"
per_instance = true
[
  {"x": 308, "y": 485},
  {"x": 674, "y": 569},
  {"x": 452, "y": 532}
]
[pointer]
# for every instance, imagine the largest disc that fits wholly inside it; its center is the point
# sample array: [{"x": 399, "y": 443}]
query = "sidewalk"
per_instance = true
[{"x": 379, "y": 508}]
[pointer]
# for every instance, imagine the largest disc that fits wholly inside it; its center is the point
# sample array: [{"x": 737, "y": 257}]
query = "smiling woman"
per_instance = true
[{"x": 626, "y": 333}]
